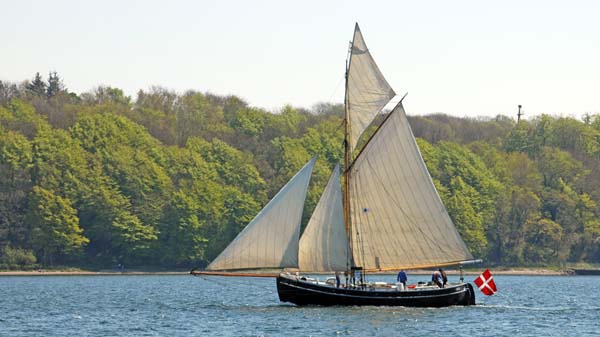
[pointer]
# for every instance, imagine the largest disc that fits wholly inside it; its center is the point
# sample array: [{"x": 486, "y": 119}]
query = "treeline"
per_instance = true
[{"x": 166, "y": 179}]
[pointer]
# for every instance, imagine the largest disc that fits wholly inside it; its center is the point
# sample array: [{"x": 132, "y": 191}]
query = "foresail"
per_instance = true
[
  {"x": 270, "y": 240},
  {"x": 324, "y": 243},
  {"x": 367, "y": 90},
  {"x": 398, "y": 218}
]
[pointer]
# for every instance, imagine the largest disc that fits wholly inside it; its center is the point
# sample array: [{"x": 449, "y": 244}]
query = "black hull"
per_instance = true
[{"x": 301, "y": 292}]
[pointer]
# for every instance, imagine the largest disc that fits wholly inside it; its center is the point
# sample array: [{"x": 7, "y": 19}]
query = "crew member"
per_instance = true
[
  {"x": 401, "y": 280},
  {"x": 436, "y": 278},
  {"x": 444, "y": 277}
]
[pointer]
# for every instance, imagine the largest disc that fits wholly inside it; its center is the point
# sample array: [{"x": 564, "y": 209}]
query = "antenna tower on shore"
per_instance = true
[{"x": 519, "y": 114}]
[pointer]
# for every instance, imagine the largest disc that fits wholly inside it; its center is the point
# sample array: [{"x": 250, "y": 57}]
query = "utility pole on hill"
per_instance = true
[{"x": 519, "y": 114}]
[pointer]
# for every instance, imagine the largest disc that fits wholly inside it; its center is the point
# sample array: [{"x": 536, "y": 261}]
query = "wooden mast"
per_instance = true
[{"x": 347, "y": 159}]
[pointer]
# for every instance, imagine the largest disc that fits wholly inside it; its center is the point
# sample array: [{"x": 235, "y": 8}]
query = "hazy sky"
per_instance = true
[{"x": 464, "y": 58}]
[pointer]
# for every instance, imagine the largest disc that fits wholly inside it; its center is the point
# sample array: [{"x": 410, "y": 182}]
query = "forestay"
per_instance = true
[
  {"x": 324, "y": 243},
  {"x": 398, "y": 219},
  {"x": 270, "y": 240},
  {"x": 367, "y": 90}
]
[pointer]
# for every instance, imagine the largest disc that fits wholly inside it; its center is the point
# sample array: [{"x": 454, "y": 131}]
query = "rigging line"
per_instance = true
[
  {"x": 211, "y": 279},
  {"x": 340, "y": 125},
  {"x": 337, "y": 86},
  {"x": 221, "y": 282}
]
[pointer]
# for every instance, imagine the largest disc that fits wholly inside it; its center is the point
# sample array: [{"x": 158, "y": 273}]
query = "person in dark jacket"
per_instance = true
[
  {"x": 401, "y": 279},
  {"x": 444, "y": 277},
  {"x": 436, "y": 278}
]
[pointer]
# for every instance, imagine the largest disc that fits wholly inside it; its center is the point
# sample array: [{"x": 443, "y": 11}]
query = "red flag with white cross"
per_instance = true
[{"x": 486, "y": 284}]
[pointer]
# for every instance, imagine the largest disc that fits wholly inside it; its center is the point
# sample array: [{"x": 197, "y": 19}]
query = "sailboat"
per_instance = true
[{"x": 385, "y": 216}]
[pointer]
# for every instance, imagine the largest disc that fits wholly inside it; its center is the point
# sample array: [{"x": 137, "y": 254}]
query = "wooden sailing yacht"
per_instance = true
[{"x": 387, "y": 216}]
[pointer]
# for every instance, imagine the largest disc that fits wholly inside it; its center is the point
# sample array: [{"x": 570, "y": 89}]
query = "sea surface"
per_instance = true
[{"x": 183, "y": 305}]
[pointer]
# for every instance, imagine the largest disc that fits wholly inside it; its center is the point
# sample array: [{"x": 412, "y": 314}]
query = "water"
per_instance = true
[{"x": 194, "y": 306}]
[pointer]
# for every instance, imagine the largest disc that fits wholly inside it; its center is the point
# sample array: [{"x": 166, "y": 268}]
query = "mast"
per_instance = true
[
  {"x": 367, "y": 92},
  {"x": 346, "y": 198}
]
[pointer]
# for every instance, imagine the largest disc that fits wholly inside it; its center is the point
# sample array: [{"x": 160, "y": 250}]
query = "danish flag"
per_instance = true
[{"x": 486, "y": 284}]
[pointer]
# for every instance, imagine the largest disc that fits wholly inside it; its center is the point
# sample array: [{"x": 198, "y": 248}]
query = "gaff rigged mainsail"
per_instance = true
[
  {"x": 270, "y": 240},
  {"x": 398, "y": 218},
  {"x": 324, "y": 243}
]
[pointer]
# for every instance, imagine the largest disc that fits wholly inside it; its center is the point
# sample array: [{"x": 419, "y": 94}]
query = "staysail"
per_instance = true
[
  {"x": 367, "y": 91},
  {"x": 398, "y": 218},
  {"x": 270, "y": 240},
  {"x": 324, "y": 243}
]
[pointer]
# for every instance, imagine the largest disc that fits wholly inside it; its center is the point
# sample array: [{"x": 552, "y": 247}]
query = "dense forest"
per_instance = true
[{"x": 166, "y": 179}]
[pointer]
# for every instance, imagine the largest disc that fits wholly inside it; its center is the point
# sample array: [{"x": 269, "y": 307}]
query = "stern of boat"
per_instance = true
[{"x": 471, "y": 297}]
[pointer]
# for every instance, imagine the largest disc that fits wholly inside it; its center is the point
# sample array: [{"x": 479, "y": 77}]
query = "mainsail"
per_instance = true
[
  {"x": 270, "y": 240},
  {"x": 367, "y": 91},
  {"x": 324, "y": 243},
  {"x": 398, "y": 218}
]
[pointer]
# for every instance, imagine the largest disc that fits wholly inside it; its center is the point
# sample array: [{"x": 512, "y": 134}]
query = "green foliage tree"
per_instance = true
[
  {"x": 55, "y": 85},
  {"x": 105, "y": 94},
  {"x": 8, "y": 91},
  {"x": 181, "y": 237},
  {"x": 15, "y": 165},
  {"x": 544, "y": 238},
  {"x": 37, "y": 86},
  {"x": 54, "y": 225},
  {"x": 461, "y": 205},
  {"x": 16, "y": 258},
  {"x": 157, "y": 98},
  {"x": 22, "y": 117},
  {"x": 232, "y": 166}
]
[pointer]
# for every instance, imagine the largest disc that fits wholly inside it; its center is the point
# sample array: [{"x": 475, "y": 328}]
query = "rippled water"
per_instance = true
[{"x": 216, "y": 306}]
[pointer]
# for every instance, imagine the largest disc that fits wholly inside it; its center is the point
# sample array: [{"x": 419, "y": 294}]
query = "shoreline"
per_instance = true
[
  {"x": 500, "y": 271},
  {"x": 88, "y": 273}
]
